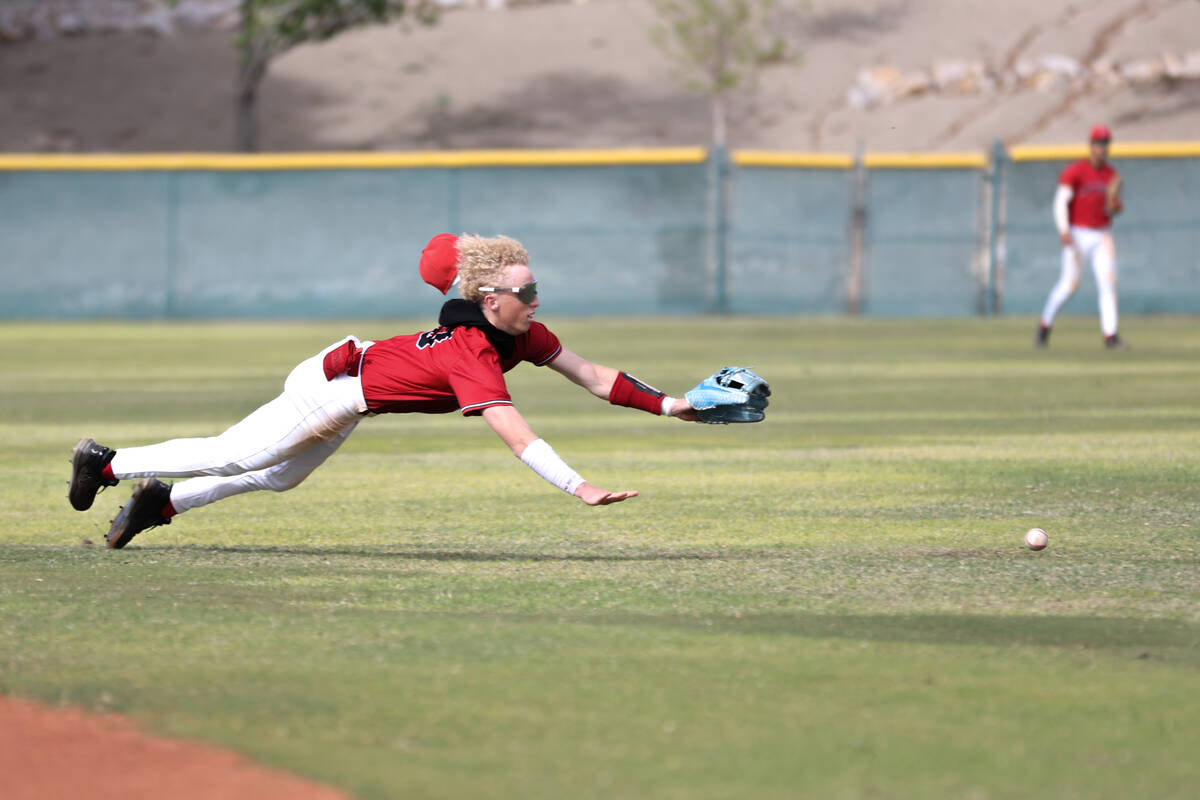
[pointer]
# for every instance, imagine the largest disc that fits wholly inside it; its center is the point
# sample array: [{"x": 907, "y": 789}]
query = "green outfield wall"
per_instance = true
[{"x": 609, "y": 231}]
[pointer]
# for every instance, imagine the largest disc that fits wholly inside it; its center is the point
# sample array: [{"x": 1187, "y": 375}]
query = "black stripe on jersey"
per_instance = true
[{"x": 485, "y": 404}]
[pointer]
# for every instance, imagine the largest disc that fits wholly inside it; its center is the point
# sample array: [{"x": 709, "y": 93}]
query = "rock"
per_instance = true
[
  {"x": 979, "y": 78},
  {"x": 914, "y": 84},
  {"x": 1062, "y": 65},
  {"x": 1046, "y": 81},
  {"x": 876, "y": 86},
  {"x": 53, "y": 18},
  {"x": 1182, "y": 68},
  {"x": 1191, "y": 66},
  {"x": 72, "y": 24},
  {"x": 157, "y": 21},
  {"x": 199, "y": 14},
  {"x": 883, "y": 83},
  {"x": 13, "y": 28},
  {"x": 1104, "y": 73},
  {"x": 1172, "y": 65},
  {"x": 858, "y": 97},
  {"x": 964, "y": 77},
  {"x": 1143, "y": 71},
  {"x": 1009, "y": 80},
  {"x": 1026, "y": 72},
  {"x": 948, "y": 73}
]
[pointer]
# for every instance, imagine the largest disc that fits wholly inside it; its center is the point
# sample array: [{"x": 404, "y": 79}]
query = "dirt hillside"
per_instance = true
[{"x": 889, "y": 74}]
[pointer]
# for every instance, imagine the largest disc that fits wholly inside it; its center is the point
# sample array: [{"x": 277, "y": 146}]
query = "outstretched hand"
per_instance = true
[
  {"x": 683, "y": 410},
  {"x": 595, "y": 496}
]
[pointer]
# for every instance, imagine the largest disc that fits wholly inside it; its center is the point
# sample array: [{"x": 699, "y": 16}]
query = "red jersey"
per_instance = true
[
  {"x": 1088, "y": 185},
  {"x": 447, "y": 369}
]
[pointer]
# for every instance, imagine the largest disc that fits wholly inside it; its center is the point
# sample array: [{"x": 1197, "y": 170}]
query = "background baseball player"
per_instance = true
[
  {"x": 458, "y": 366},
  {"x": 1088, "y": 197}
]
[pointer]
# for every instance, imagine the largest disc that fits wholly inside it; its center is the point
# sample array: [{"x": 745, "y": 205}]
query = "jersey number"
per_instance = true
[{"x": 430, "y": 338}]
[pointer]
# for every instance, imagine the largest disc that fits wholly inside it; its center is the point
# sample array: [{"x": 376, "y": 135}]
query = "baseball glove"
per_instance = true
[
  {"x": 731, "y": 394},
  {"x": 1112, "y": 196}
]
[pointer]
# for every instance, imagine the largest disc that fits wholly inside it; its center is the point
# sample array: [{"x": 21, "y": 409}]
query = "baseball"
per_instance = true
[{"x": 1036, "y": 539}]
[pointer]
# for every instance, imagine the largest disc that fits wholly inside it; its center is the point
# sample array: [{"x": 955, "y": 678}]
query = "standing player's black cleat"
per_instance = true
[
  {"x": 1043, "y": 336},
  {"x": 88, "y": 461},
  {"x": 1114, "y": 342},
  {"x": 144, "y": 510}
]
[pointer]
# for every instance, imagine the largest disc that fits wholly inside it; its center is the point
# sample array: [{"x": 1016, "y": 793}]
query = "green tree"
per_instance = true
[
  {"x": 271, "y": 27},
  {"x": 720, "y": 46}
]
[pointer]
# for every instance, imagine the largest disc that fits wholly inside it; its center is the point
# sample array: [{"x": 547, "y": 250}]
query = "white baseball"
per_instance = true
[{"x": 1036, "y": 539}]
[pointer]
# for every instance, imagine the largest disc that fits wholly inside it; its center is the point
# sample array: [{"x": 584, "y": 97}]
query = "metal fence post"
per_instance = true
[
  {"x": 454, "y": 200},
  {"x": 170, "y": 301},
  {"x": 858, "y": 233},
  {"x": 719, "y": 173},
  {"x": 995, "y": 176}
]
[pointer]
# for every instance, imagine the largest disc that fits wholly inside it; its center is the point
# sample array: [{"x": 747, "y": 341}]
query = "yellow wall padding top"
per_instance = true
[
  {"x": 312, "y": 161},
  {"x": 777, "y": 158},
  {"x": 962, "y": 160},
  {"x": 1070, "y": 152}
]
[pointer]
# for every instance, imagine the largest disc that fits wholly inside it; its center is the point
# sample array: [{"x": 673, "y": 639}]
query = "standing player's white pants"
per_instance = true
[
  {"x": 276, "y": 447},
  {"x": 1094, "y": 246}
]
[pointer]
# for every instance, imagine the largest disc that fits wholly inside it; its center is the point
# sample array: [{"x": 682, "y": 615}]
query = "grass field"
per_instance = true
[{"x": 835, "y": 603}]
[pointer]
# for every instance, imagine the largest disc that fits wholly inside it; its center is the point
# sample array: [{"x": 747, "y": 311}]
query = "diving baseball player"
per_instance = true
[{"x": 457, "y": 366}]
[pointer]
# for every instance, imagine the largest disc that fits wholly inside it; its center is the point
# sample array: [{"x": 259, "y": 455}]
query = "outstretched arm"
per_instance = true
[
  {"x": 620, "y": 388},
  {"x": 511, "y": 427},
  {"x": 1062, "y": 202}
]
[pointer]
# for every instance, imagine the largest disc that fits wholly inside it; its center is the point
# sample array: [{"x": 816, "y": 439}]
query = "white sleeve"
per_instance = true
[
  {"x": 541, "y": 458},
  {"x": 1062, "y": 199}
]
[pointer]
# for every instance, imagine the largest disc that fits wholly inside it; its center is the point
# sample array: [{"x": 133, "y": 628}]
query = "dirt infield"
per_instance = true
[{"x": 57, "y": 753}]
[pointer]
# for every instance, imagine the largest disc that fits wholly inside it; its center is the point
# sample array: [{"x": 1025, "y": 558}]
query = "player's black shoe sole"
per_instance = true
[
  {"x": 1114, "y": 343},
  {"x": 144, "y": 510},
  {"x": 88, "y": 461}
]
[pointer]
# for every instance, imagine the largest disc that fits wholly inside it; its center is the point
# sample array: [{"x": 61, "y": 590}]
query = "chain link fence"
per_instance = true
[{"x": 609, "y": 232}]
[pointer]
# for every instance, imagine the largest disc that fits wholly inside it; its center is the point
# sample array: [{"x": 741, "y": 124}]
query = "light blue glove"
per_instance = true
[
  {"x": 710, "y": 394},
  {"x": 731, "y": 394}
]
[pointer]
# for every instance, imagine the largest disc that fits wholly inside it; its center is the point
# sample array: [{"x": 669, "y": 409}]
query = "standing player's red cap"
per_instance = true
[
  {"x": 1100, "y": 133},
  {"x": 439, "y": 262}
]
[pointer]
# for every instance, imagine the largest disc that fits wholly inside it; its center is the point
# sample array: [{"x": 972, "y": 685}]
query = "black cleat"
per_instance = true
[
  {"x": 1043, "y": 336},
  {"x": 88, "y": 460},
  {"x": 1114, "y": 343},
  {"x": 144, "y": 510}
]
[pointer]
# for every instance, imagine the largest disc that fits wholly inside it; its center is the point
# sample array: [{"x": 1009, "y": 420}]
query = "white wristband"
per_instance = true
[
  {"x": 541, "y": 458},
  {"x": 668, "y": 403}
]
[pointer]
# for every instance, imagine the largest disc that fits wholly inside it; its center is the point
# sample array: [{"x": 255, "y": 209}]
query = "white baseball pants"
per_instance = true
[
  {"x": 1096, "y": 247},
  {"x": 275, "y": 448}
]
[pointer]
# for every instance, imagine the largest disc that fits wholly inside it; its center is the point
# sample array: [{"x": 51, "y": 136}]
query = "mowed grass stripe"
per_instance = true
[{"x": 835, "y": 603}]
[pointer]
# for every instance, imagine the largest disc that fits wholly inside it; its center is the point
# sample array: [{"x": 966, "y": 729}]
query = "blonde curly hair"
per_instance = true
[{"x": 481, "y": 262}]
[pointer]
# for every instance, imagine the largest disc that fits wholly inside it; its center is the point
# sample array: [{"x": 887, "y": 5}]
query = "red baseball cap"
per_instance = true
[
  {"x": 1100, "y": 133},
  {"x": 439, "y": 262}
]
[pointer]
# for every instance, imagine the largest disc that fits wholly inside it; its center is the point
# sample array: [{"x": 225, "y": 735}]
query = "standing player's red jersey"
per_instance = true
[
  {"x": 443, "y": 370},
  {"x": 1088, "y": 186}
]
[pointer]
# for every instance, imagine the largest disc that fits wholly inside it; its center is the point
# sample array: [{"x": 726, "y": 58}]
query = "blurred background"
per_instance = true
[
  {"x": 785, "y": 197},
  {"x": 139, "y": 75}
]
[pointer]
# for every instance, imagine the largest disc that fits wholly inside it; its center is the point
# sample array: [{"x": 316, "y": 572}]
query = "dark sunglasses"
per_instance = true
[{"x": 526, "y": 294}]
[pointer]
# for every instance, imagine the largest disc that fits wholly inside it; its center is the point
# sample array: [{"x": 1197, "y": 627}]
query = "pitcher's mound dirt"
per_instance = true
[{"x": 50, "y": 753}]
